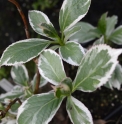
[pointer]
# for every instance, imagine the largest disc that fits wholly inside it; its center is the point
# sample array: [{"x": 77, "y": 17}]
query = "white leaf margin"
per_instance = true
[
  {"x": 24, "y": 69},
  {"x": 22, "y": 108},
  {"x": 41, "y": 72},
  {"x": 114, "y": 53},
  {"x": 76, "y": 20},
  {"x": 21, "y": 62},
  {"x": 82, "y": 107},
  {"x": 69, "y": 60}
]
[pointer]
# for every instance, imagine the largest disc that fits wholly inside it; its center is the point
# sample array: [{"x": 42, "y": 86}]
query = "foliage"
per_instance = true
[{"x": 94, "y": 67}]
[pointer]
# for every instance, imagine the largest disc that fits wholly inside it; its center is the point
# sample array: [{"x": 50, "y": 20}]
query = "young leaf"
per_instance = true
[
  {"x": 102, "y": 24},
  {"x": 72, "y": 53},
  {"x": 96, "y": 68},
  {"x": 19, "y": 74},
  {"x": 71, "y": 12},
  {"x": 86, "y": 34},
  {"x": 69, "y": 33},
  {"x": 16, "y": 92},
  {"x": 111, "y": 22},
  {"x": 77, "y": 112},
  {"x": 99, "y": 41},
  {"x": 51, "y": 67},
  {"x": 38, "y": 109},
  {"x": 23, "y": 51},
  {"x": 41, "y": 24},
  {"x": 116, "y": 36}
]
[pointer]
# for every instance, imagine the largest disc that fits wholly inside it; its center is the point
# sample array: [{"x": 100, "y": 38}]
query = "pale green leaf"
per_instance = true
[
  {"x": 19, "y": 74},
  {"x": 41, "y": 24},
  {"x": 16, "y": 92},
  {"x": 102, "y": 23},
  {"x": 86, "y": 34},
  {"x": 23, "y": 51},
  {"x": 71, "y": 12},
  {"x": 78, "y": 112},
  {"x": 116, "y": 36},
  {"x": 51, "y": 67},
  {"x": 99, "y": 41},
  {"x": 96, "y": 68},
  {"x": 111, "y": 22},
  {"x": 71, "y": 32},
  {"x": 39, "y": 109},
  {"x": 72, "y": 53}
]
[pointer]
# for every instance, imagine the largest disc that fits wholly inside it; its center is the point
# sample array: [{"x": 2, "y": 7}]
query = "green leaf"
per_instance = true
[
  {"x": 116, "y": 79},
  {"x": 71, "y": 32},
  {"x": 77, "y": 112},
  {"x": 19, "y": 74},
  {"x": 102, "y": 23},
  {"x": 99, "y": 41},
  {"x": 23, "y": 51},
  {"x": 111, "y": 22},
  {"x": 41, "y": 24},
  {"x": 116, "y": 36},
  {"x": 96, "y": 68},
  {"x": 39, "y": 109},
  {"x": 71, "y": 12},
  {"x": 16, "y": 92},
  {"x": 86, "y": 34},
  {"x": 43, "y": 82},
  {"x": 72, "y": 53},
  {"x": 51, "y": 67}
]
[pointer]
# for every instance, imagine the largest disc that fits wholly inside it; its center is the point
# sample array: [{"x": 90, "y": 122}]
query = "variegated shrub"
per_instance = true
[{"x": 95, "y": 67}]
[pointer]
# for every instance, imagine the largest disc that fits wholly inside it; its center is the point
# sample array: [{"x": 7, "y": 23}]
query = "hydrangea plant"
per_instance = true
[{"x": 94, "y": 67}]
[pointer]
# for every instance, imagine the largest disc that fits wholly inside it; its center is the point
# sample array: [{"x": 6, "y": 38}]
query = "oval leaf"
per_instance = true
[
  {"x": 71, "y": 12},
  {"x": 19, "y": 74},
  {"x": 38, "y": 109},
  {"x": 72, "y": 53},
  {"x": 77, "y": 112},
  {"x": 51, "y": 67},
  {"x": 116, "y": 36},
  {"x": 86, "y": 34},
  {"x": 41, "y": 24},
  {"x": 96, "y": 68},
  {"x": 23, "y": 51}
]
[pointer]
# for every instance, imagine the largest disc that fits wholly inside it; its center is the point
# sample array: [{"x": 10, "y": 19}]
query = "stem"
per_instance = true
[
  {"x": 28, "y": 36},
  {"x": 4, "y": 112},
  {"x": 37, "y": 83},
  {"x": 22, "y": 16}
]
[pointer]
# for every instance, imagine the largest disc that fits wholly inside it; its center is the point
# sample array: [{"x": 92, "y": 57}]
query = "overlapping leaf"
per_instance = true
[
  {"x": 23, "y": 51},
  {"x": 51, "y": 67},
  {"x": 38, "y": 109},
  {"x": 71, "y": 12},
  {"x": 96, "y": 68},
  {"x": 19, "y": 74},
  {"x": 41, "y": 24},
  {"x": 77, "y": 112},
  {"x": 72, "y": 53},
  {"x": 86, "y": 34}
]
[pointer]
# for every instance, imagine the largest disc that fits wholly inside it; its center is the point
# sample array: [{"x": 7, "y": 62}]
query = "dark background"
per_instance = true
[{"x": 102, "y": 102}]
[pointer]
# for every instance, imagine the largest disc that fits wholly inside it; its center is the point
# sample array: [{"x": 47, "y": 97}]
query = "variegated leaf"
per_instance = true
[
  {"x": 23, "y": 51},
  {"x": 78, "y": 112},
  {"x": 38, "y": 109},
  {"x": 72, "y": 53},
  {"x": 71, "y": 12},
  {"x": 19, "y": 74},
  {"x": 96, "y": 68},
  {"x": 51, "y": 67}
]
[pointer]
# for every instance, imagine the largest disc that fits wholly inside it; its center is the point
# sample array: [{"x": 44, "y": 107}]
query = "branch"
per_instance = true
[
  {"x": 4, "y": 112},
  {"x": 22, "y": 16}
]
